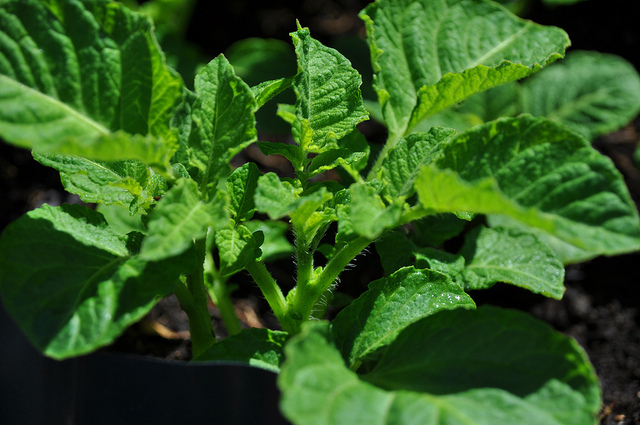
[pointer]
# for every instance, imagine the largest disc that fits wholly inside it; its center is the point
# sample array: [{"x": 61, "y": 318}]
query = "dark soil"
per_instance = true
[{"x": 601, "y": 307}]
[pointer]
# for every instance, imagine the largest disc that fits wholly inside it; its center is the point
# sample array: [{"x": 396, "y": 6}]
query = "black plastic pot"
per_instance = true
[{"x": 112, "y": 388}]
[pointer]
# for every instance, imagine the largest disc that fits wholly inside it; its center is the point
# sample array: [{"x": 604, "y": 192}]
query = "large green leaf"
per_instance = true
[
  {"x": 593, "y": 93},
  {"x": 391, "y": 304},
  {"x": 511, "y": 256},
  {"x": 541, "y": 174},
  {"x": 75, "y": 72},
  {"x": 482, "y": 367},
  {"x": 180, "y": 217},
  {"x": 328, "y": 93},
  {"x": 223, "y": 120},
  {"x": 72, "y": 284},
  {"x": 428, "y": 55}
]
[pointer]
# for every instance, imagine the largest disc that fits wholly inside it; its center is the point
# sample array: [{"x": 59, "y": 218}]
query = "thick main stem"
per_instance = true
[{"x": 306, "y": 297}]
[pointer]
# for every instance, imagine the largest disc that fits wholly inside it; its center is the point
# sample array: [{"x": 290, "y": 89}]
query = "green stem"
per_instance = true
[
  {"x": 272, "y": 294},
  {"x": 304, "y": 260},
  {"x": 200, "y": 325},
  {"x": 218, "y": 289},
  {"x": 219, "y": 293},
  {"x": 306, "y": 297}
]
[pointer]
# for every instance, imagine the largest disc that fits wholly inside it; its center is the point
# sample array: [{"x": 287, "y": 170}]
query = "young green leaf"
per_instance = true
[
  {"x": 511, "y": 256},
  {"x": 328, "y": 93},
  {"x": 275, "y": 245},
  {"x": 539, "y": 173},
  {"x": 180, "y": 217},
  {"x": 275, "y": 197},
  {"x": 391, "y": 304},
  {"x": 352, "y": 154},
  {"x": 266, "y": 91},
  {"x": 237, "y": 246},
  {"x": 75, "y": 71},
  {"x": 241, "y": 186},
  {"x": 593, "y": 93},
  {"x": 292, "y": 152},
  {"x": 318, "y": 388},
  {"x": 403, "y": 163},
  {"x": 81, "y": 285},
  {"x": 368, "y": 214},
  {"x": 223, "y": 120},
  {"x": 468, "y": 46},
  {"x": 261, "y": 348}
]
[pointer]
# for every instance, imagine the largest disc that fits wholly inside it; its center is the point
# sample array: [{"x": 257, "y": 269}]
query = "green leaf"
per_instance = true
[
  {"x": 307, "y": 216},
  {"x": 440, "y": 261},
  {"x": 180, "y": 217},
  {"x": 511, "y": 256},
  {"x": 267, "y": 90},
  {"x": 327, "y": 90},
  {"x": 261, "y": 348},
  {"x": 318, "y": 389},
  {"x": 466, "y": 47},
  {"x": 292, "y": 152},
  {"x": 489, "y": 105},
  {"x": 593, "y": 93},
  {"x": 72, "y": 284},
  {"x": 539, "y": 173},
  {"x": 110, "y": 183},
  {"x": 275, "y": 197},
  {"x": 395, "y": 251},
  {"x": 368, "y": 214},
  {"x": 76, "y": 72},
  {"x": 275, "y": 245},
  {"x": 118, "y": 146},
  {"x": 492, "y": 348},
  {"x": 403, "y": 163},
  {"x": 120, "y": 219},
  {"x": 223, "y": 120},
  {"x": 352, "y": 154},
  {"x": 241, "y": 186},
  {"x": 237, "y": 246},
  {"x": 375, "y": 319}
]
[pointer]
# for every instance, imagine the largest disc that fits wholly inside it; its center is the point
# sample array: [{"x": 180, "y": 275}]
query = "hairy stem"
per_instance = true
[
  {"x": 306, "y": 297},
  {"x": 304, "y": 260},
  {"x": 272, "y": 294}
]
